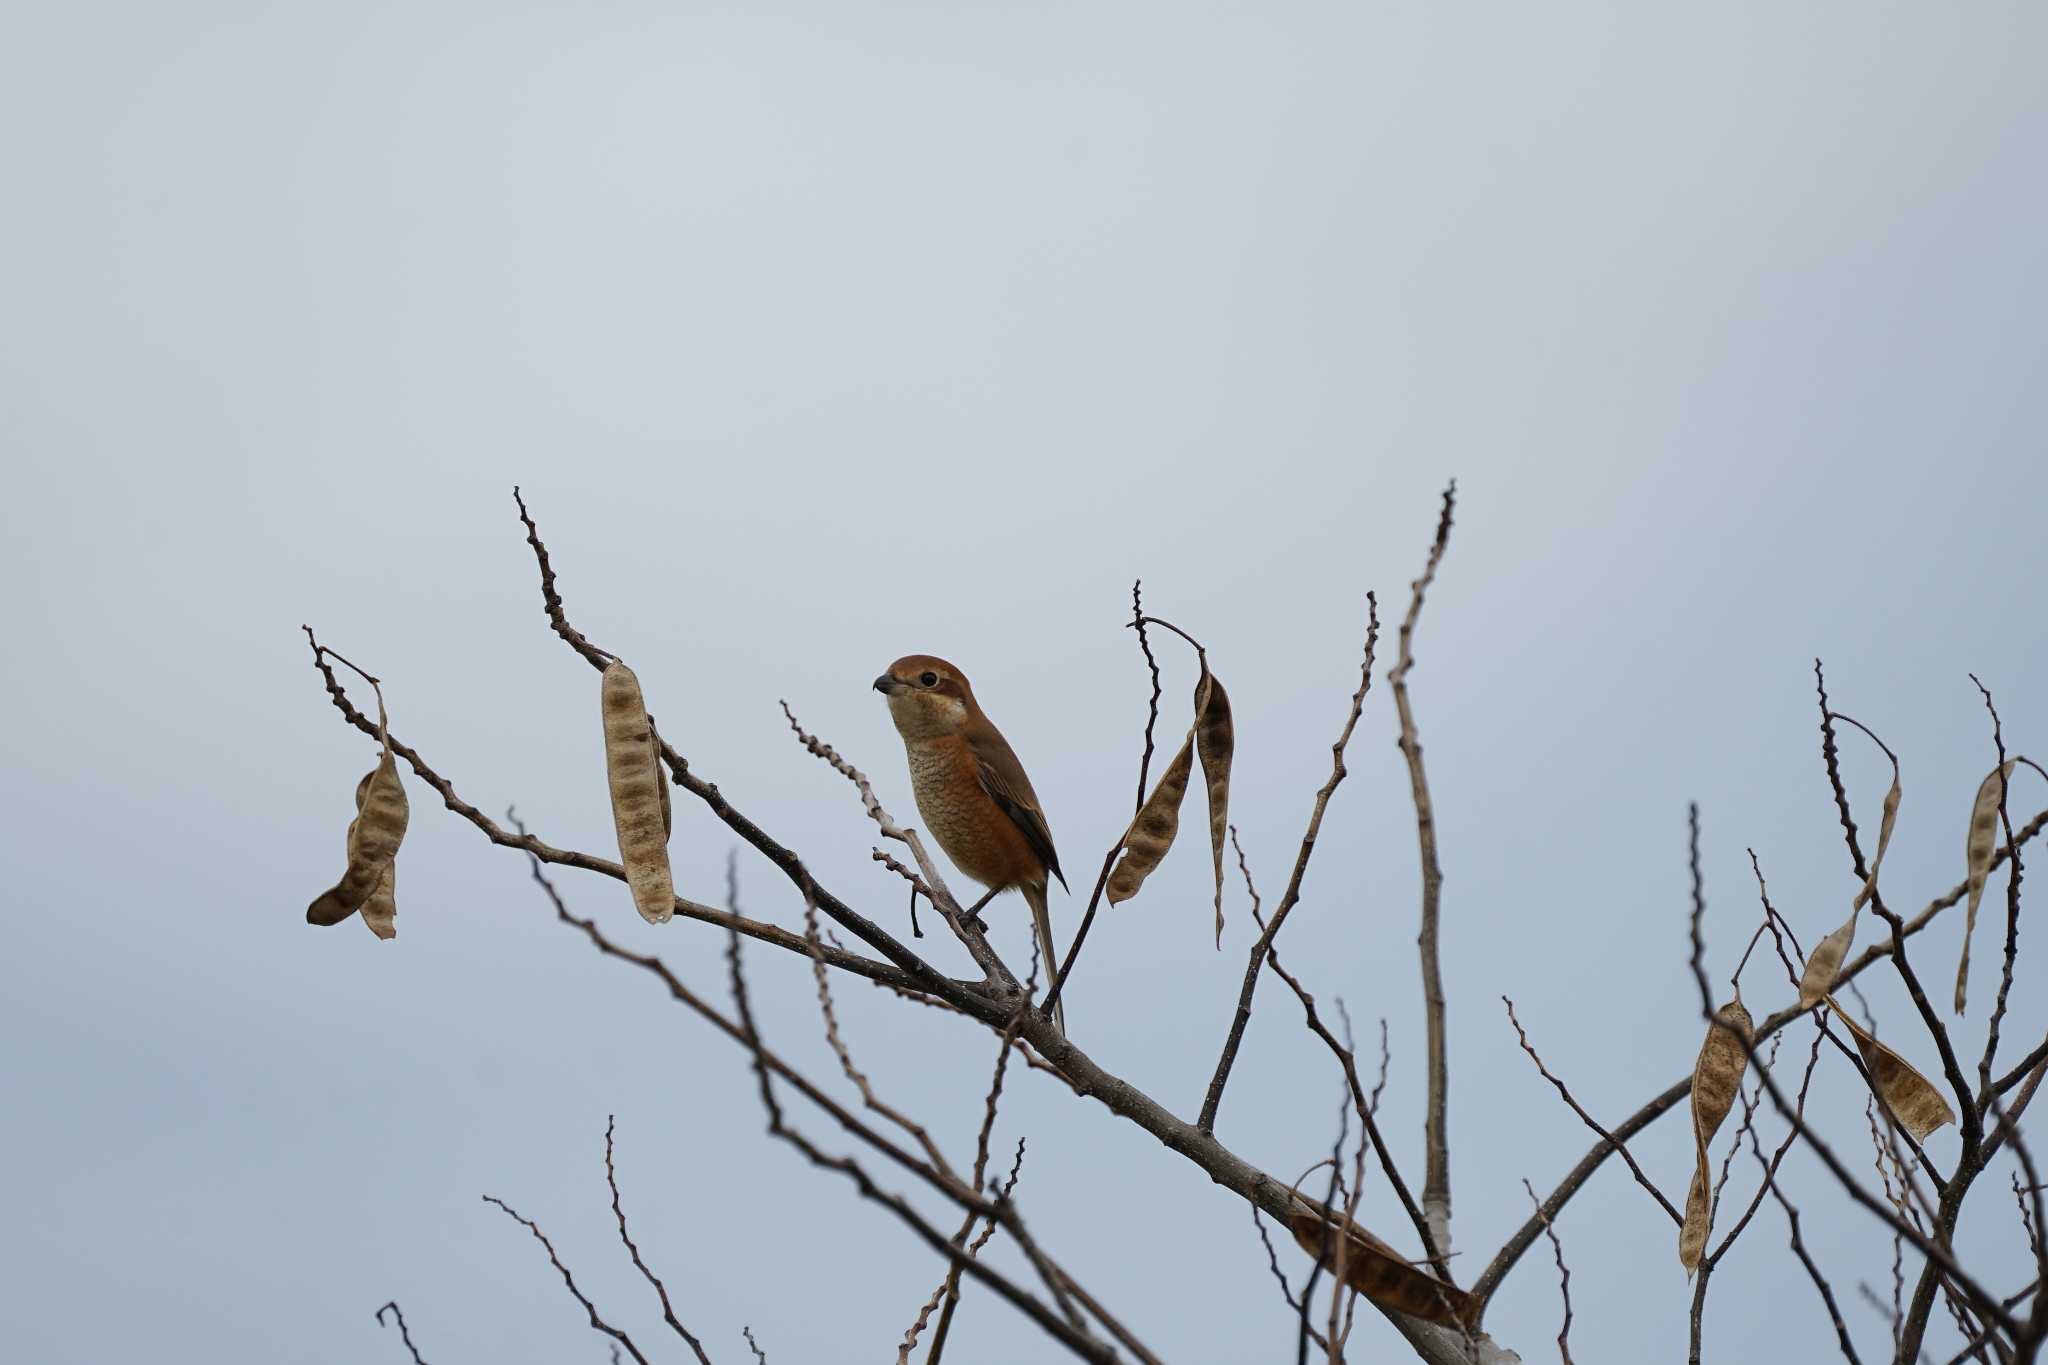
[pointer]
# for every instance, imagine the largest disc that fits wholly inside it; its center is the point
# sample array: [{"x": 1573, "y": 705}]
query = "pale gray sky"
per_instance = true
[{"x": 822, "y": 334}]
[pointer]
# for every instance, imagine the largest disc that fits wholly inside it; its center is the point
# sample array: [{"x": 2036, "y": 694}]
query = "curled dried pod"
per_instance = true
[
  {"x": 1215, "y": 742},
  {"x": 1716, "y": 1078},
  {"x": 633, "y": 770},
  {"x": 374, "y": 837},
  {"x": 380, "y": 911},
  {"x": 1380, "y": 1273},
  {"x": 1151, "y": 833},
  {"x": 1978, "y": 850},
  {"x": 1909, "y": 1096}
]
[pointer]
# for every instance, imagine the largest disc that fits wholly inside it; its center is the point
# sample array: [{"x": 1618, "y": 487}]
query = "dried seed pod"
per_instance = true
[
  {"x": 1716, "y": 1078},
  {"x": 1377, "y": 1271},
  {"x": 1978, "y": 850},
  {"x": 1884, "y": 839},
  {"x": 380, "y": 911},
  {"x": 1824, "y": 963},
  {"x": 1909, "y": 1096},
  {"x": 1151, "y": 833},
  {"x": 633, "y": 768},
  {"x": 373, "y": 840},
  {"x": 1215, "y": 742}
]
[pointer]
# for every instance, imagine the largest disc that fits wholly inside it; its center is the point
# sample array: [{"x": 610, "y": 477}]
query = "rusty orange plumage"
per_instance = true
[{"x": 972, "y": 791}]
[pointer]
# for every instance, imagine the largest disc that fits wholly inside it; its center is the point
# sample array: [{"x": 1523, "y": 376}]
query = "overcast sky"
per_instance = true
[{"x": 822, "y": 334}]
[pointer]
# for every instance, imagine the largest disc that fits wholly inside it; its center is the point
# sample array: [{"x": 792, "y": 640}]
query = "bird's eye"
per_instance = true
[{"x": 928, "y": 679}]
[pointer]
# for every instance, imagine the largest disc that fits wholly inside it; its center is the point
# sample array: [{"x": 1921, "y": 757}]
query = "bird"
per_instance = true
[{"x": 972, "y": 791}]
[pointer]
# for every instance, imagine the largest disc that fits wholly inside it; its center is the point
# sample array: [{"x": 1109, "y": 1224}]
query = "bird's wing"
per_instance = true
[{"x": 1002, "y": 777}]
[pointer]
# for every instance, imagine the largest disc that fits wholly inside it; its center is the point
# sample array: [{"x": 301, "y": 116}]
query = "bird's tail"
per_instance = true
[{"x": 1049, "y": 959}]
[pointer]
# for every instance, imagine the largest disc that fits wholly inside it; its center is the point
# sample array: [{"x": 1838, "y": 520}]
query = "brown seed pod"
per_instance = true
[
  {"x": 1151, "y": 834},
  {"x": 1884, "y": 839},
  {"x": 633, "y": 769},
  {"x": 1379, "y": 1272},
  {"x": 1215, "y": 742},
  {"x": 1910, "y": 1096},
  {"x": 373, "y": 839},
  {"x": 1978, "y": 850},
  {"x": 1824, "y": 963},
  {"x": 380, "y": 911},
  {"x": 1716, "y": 1077}
]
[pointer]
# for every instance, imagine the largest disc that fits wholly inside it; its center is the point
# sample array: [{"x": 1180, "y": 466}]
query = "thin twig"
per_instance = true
[
  {"x": 570, "y": 1280},
  {"x": 1564, "y": 1277},
  {"x": 1642, "y": 1178},
  {"x": 404, "y": 1334},
  {"x": 1066, "y": 964},
  {"x": 1436, "y": 1181},
  {"x": 1260, "y": 950},
  {"x": 668, "y": 1312}
]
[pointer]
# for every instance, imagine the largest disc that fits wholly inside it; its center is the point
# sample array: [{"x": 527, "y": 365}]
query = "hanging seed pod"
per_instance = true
[
  {"x": 1884, "y": 839},
  {"x": 1716, "y": 1077},
  {"x": 1909, "y": 1096},
  {"x": 380, "y": 911},
  {"x": 1824, "y": 963},
  {"x": 1151, "y": 834},
  {"x": 633, "y": 769},
  {"x": 1981, "y": 846},
  {"x": 374, "y": 837},
  {"x": 1377, "y": 1271},
  {"x": 1215, "y": 742}
]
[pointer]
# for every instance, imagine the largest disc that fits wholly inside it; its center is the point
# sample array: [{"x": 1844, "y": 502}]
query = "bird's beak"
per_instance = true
[{"x": 886, "y": 685}]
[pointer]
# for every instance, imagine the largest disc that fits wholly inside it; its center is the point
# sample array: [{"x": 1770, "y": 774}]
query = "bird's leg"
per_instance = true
[{"x": 973, "y": 915}]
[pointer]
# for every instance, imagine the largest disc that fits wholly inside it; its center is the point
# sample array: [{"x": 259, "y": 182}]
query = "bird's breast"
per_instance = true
[{"x": 970, "y": 827}]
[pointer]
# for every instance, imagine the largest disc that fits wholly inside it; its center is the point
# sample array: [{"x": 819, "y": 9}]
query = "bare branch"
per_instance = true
[
  {"x": 1618, "y": 1145},
  {"x": 2012, "y": 905},
  {"x": 526, "y": 843},
  {"x": 1820, "y": 1282},
  {"x": 1066, "y": 964},
  {"x": 1235, "y": 1038},
  {"x": 1366, "y": 1106},
  {"x": 570, "y": 1280},
  {"x": 1436, "y": 1182},
  {"x": 668, "y": 1312},
  {"x": 404, "y": 1334},
  {"x": 1564, "y": 1277}
]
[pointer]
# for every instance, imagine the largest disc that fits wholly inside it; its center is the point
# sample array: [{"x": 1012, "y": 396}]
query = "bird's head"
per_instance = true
[{"x": 928, "y": 697}]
